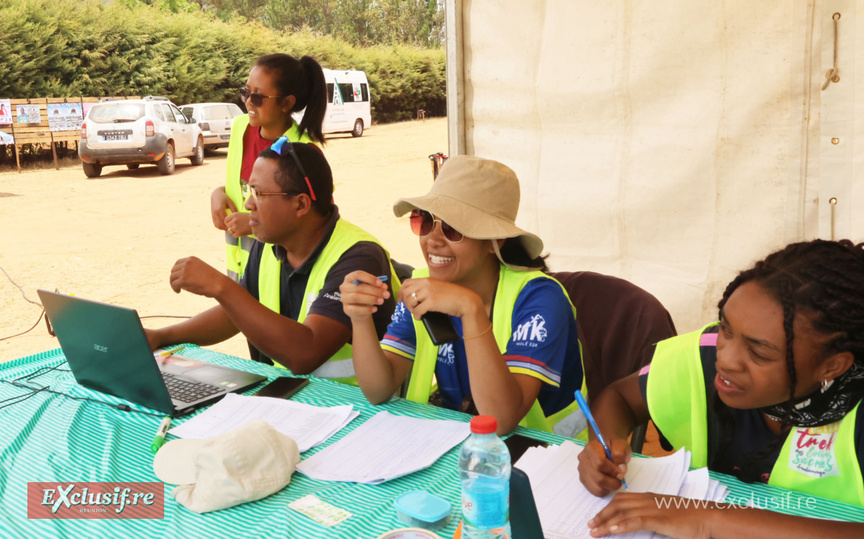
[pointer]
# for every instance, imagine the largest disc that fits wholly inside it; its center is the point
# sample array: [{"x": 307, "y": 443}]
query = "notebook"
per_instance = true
[{"x": 107, "y": 351}]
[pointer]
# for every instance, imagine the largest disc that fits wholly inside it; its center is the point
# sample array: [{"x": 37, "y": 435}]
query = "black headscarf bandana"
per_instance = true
[{"x": 825, "y": 405}]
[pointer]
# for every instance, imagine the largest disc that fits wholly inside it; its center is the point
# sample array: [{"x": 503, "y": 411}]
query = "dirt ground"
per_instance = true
[{"x": 115, "y": 238}]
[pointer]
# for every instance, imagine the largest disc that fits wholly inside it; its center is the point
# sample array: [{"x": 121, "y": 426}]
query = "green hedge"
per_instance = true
[{"x": 60, "y": 48}]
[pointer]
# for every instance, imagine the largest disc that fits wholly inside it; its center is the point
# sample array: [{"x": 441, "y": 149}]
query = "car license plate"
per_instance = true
[
  {"x": 224, "y": 137},
  {"x": 114, "y": 134}
]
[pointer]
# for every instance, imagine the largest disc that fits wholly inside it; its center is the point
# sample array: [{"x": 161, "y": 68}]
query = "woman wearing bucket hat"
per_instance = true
[{"x": 517, "y": 356}]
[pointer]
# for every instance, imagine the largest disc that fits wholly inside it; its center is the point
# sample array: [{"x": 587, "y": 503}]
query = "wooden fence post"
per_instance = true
[{"x": 15, "y": 145}]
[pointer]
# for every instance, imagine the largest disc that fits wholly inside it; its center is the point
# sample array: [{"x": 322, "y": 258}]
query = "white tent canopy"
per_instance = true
[{"x": 668, "y": 143}]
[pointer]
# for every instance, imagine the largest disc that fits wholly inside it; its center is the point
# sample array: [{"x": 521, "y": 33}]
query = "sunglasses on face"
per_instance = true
[
  {"x": 283, "y": 146},
  {"x": 422, "y": 223},
  {"x": 256, "y": 98}
]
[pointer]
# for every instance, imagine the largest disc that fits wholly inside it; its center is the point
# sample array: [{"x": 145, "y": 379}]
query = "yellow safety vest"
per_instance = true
[
  {"x": 340, "y": 366},
  {"x": 237, "y": 249},
  {"x": 510, "y": 284},
  {"x": 820, "y": 461}
]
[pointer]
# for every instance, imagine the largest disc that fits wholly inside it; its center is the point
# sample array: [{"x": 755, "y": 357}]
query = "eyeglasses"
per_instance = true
[
  {"x": 256, "y": 98},
  {"x": 279, "y": 146},
  {"x": 422, "y": 223},
  {"x": 255, "y": 193}
]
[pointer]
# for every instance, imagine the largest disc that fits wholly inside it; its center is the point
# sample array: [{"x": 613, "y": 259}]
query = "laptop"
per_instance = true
[{"x": 107, "y": 351}]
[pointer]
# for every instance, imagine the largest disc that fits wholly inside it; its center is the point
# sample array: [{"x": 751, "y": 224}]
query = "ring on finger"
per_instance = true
[{"x": 414, "y": 295}]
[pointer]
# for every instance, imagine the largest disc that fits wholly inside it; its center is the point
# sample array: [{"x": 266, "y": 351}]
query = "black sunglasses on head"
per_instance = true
[{"x": 279, "y": 146}]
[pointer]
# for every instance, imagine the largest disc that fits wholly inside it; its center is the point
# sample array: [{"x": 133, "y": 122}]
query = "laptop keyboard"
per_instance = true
[{"x": 186, "y": 391}]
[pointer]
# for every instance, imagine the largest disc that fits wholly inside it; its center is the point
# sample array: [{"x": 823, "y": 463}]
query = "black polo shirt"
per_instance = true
[{"x": 364, "y": 255}]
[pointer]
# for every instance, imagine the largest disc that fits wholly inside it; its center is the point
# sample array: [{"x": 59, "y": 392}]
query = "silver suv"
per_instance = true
[
  {"x": 134, "y": 131},
  {"x": 214, "y": 119}
]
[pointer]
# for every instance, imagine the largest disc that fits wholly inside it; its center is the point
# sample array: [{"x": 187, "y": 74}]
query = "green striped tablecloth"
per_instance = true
[{"x": 54, "y": 438}]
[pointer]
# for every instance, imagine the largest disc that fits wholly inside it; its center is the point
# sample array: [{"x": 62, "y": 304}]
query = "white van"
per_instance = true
[{"x": 348, "y": 107}]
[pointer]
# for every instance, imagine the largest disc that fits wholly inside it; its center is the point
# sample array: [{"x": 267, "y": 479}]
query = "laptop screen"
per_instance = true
[{"x": 107, "y": 349}]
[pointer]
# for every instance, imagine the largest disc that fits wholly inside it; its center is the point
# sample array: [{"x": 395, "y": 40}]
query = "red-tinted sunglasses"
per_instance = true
[{"x": 422, "y": 223}]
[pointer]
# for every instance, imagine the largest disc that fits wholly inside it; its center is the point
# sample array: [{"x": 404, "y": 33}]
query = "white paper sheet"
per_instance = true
[
  {"x": 307, "y": 425},
  {"x": 565, "y": 506},
  {"x": 716, "y": 491},
  {"x": 696, "y": 485},
  {"x": 385, "y": 447}
]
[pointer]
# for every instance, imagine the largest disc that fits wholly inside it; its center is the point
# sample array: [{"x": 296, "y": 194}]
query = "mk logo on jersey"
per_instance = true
[
  {"x": 400, "y": 313},
  {"x": 533, "y": 330},
  {"x": 445, "y": 354}
]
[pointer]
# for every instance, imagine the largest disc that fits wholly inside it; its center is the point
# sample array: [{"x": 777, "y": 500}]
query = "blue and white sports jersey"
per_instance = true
[{"x": 544, "y": 344}]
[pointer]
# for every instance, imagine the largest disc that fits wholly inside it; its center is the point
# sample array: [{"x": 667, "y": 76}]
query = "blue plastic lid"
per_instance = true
[{"x": 422, "y": 505}]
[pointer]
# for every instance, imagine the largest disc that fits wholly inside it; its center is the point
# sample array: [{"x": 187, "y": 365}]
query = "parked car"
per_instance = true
[
  {"x": 130, "y": 132},
  {"x": 214, "y": 119}
]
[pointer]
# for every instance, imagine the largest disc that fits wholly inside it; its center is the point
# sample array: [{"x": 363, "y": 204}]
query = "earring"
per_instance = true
[{"x": 826, "y": 384}]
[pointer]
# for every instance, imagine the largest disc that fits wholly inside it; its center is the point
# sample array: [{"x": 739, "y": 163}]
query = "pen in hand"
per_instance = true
[
  {"x": 160, "y": 434},
  {"x": 587, "y": 411},
  {"x": 382, "y": 278}
]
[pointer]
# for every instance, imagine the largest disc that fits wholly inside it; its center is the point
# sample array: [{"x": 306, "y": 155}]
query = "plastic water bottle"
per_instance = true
[{"x": 484, "y": 470}]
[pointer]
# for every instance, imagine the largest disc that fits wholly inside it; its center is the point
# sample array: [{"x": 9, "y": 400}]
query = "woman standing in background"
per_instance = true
[{"x": 278, "y": 85}]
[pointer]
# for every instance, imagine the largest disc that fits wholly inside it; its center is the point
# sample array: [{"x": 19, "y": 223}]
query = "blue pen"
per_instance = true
[
  {"x": 585, "y": 410},
  {"x": 382, "y": 278}
]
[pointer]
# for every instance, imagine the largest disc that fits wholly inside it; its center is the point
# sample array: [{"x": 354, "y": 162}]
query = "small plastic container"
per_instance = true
[{"x": 420, "y": 509}]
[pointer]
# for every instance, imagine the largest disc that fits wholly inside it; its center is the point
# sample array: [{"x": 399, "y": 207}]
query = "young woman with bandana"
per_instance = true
[
  {"x": 771, "y": 393},
  {"x": 517, "y": 354},
  {"x": 278, "y": 85}
]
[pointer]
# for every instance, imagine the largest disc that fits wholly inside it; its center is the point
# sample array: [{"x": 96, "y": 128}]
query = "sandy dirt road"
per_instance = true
[{"x": 115, "y": 238}]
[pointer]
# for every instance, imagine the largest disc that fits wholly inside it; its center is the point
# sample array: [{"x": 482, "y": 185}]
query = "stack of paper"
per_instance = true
[
  {"x": 565, "y": 506},
  {"x": 307, "y": 425},
  {"x": 699, "y": 486},
  {"x": 385, "y": 447}
]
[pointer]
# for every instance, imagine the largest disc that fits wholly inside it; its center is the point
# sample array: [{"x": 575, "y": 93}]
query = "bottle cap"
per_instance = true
[{"x": 484, "y": 424}]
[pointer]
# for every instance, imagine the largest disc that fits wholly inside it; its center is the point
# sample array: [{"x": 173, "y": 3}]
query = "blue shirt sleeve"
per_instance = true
[
  {"x": 400, "y": 338},
  {"x": 542, "y": 326}
]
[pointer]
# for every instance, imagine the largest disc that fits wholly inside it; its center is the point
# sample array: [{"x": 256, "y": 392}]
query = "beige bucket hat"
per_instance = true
[
  {"x": 479, "y": 198},
  {"x": 238, "y": 466}
]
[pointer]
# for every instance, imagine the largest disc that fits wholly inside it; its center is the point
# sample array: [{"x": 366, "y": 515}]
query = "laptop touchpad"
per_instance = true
[
  {"x": 210, "y": 374},
  {"x": 178, "y": 365}
]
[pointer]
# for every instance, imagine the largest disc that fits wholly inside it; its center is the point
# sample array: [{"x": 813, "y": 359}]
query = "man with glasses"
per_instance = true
[{"x": 287, "y": 303}]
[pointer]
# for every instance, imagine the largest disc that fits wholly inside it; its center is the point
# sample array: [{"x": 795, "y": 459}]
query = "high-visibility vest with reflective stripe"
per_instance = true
[
  {"x": 677, "y": 402},
  {"x": 510, "y": 284},
  {"x": 237, "y": 249},
  {"x": 340, "y": 366}
]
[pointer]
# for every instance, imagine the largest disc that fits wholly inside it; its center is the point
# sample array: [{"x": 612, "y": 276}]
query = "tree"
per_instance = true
[
  {"x": 361, "y": 22},
  {"x": 226, "y": 9},
  {"x": 296, "y": 15}
]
